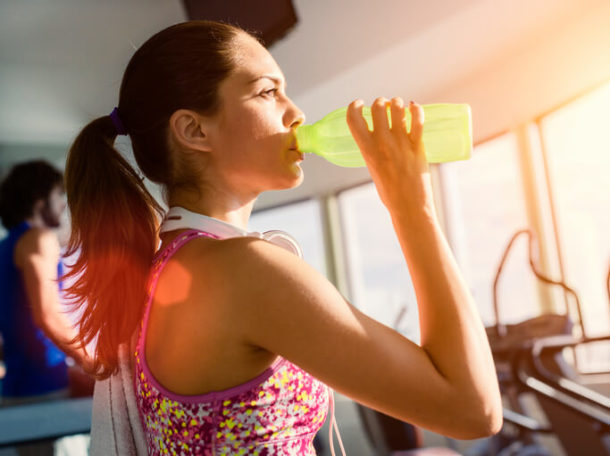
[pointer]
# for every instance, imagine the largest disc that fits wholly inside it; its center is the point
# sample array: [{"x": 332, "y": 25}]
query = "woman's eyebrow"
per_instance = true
[{"x": 277, "y": 80}]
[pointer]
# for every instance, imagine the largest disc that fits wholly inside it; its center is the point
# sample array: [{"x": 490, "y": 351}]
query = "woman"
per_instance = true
[{"x": 239, "y": 336}]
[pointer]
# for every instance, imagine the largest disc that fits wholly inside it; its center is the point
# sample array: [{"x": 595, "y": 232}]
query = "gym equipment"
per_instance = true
[{"x": 531, "y": 360}]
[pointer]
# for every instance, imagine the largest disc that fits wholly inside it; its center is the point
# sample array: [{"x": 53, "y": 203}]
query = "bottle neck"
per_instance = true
[{"x": 306, "y": 138}]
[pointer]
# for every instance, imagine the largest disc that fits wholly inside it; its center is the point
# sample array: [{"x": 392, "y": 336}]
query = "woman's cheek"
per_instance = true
[{"x": 260, "y": 128}]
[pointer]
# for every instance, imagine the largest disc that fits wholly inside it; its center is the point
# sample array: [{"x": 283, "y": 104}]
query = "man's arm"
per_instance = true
[{"x": 36, "y": 256}]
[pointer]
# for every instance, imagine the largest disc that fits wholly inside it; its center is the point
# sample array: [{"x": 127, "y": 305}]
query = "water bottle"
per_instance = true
[{"x": 447, "y": 135}]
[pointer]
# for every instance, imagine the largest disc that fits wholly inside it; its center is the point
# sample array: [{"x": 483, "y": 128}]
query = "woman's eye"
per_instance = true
[{"x": 269, "y": 92}]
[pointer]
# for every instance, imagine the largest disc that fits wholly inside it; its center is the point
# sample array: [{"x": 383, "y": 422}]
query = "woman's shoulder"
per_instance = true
[
  {"x": 232, "y": 264},
  {"x": 248, "y": 272},
  {"x": 235, "y": 253}
]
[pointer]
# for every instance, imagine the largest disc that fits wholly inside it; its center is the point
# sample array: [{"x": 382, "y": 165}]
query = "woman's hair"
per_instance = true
[
  {"x": 114, "y": 217},
  {"x": 25, "y": 184}
]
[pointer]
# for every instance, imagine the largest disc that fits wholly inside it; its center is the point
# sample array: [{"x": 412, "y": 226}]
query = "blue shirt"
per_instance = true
[{"x": 34, "y": 365}]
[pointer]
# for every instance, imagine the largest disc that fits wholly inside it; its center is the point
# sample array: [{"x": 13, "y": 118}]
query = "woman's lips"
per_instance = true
[{"x": 298, "y": 153}]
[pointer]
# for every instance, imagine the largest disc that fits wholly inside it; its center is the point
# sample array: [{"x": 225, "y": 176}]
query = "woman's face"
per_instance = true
[{"x": 252, "y": 137}]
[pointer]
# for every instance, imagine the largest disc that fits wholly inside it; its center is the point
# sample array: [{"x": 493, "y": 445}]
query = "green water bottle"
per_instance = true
[{"x": 447, "y": 135}]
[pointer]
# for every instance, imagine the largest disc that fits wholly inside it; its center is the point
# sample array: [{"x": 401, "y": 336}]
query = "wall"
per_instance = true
[
  {"x": 535, "y": 72},
  {"x": 536, "y": 75}
]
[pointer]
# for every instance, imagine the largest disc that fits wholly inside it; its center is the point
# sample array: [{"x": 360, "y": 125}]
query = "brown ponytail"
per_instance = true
[
  {"x": 114, "y": 217},
  {"x": 114, "y": 231}
]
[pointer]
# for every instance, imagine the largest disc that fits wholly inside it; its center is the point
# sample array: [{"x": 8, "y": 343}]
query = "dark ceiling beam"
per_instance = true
[{"x": 270, "y": 20}]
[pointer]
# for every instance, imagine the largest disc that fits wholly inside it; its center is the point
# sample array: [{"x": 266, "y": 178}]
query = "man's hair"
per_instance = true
[{"x": 25, "y": 184}]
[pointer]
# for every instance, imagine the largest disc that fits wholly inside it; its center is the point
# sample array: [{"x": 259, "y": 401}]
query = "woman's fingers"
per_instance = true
[
  {"x": 357, "y": 125},
  {"x": 399, "y": 117},
  {"x": 382, "y": 134},
  {"x": 379, "y": 114},
  {"x": 417, "y": 122}
]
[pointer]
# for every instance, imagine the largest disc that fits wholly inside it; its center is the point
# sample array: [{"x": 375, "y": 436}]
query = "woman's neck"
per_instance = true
[{"x": 230, "y": 210}]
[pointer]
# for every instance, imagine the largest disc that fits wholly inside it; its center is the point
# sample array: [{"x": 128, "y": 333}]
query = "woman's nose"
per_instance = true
[{"x": 294, "y": 116}]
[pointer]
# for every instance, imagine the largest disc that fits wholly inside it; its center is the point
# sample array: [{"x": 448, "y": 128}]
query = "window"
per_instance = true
[
  {"x": 489, "y": 194},
  {"x": 379, "y": 280},
  {"x": 578, "y": 154},
  {"x": 301, "y": 220}
]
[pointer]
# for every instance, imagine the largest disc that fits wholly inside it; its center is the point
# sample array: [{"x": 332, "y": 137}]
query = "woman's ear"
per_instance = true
[{"x": 188, "y": 129}]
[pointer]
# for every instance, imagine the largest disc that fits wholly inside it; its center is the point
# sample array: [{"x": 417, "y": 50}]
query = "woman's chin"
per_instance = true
[
  {"x": 299, "y": 175},
  {"x": 292, "y": 179}
]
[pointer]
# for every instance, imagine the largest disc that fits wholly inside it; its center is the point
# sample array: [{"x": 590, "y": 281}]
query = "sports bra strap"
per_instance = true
[{"x": 161, "y": 259}]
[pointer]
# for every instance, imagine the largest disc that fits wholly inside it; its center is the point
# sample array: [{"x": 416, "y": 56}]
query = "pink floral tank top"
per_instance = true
[{"x": 277, "y": 413}]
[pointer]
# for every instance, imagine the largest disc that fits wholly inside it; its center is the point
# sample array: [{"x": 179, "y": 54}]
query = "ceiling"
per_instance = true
[{"x": 61, "y": 61}]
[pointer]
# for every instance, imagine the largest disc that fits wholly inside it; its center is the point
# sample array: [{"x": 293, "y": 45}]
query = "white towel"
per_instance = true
[{"x": 116, "y": 429}]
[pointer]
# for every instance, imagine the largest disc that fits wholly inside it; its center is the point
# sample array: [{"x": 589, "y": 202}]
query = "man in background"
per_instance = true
[{"x": 32, "y": 323}]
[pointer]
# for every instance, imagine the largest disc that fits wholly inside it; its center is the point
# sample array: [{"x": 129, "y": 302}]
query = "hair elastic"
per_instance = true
[{"x": 116, "y": 120}]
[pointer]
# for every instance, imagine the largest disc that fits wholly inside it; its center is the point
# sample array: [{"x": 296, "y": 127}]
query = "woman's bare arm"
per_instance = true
[
  {"x": 448, "y": 384},
  {"x": 286, "y": 307}
]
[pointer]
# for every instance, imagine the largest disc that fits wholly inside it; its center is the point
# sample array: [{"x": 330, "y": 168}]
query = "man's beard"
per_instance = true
[{"x": 50, "y": 219}]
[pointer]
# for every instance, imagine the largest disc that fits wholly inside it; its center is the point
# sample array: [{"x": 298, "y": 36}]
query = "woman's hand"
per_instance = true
[{"x": 395, "y": 155}]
